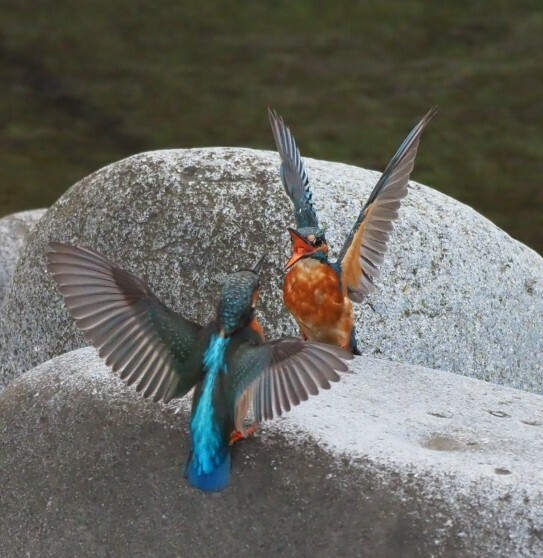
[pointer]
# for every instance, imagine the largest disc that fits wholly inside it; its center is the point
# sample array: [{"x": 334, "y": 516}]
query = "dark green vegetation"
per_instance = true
[{"x": 86, "y": 83}]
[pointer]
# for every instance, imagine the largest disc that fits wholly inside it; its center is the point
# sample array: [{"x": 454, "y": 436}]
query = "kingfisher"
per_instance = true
[
  {"x": 318, "y": 292},
  {"x": 228, "y": 361}
]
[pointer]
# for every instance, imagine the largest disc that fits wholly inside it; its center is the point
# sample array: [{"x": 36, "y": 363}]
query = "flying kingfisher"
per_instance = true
[
  {"x": 318, "y": 292},
  {"x": 165, "y": 354}
]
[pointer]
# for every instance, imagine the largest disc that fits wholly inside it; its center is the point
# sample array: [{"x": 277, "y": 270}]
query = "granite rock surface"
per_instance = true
[
  {"x": 14, "y": 230},
  {"x": 394, "y": 460},
  {"x": 456, "y": 292}
]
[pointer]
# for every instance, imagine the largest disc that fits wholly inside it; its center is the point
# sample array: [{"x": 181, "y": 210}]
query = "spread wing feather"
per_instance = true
[
  {"x": 280, "y": 374},
  {"x": 139, "y": 337},
  {"x": 293, "y": 173},
  {"x": 367, "y": 242}
]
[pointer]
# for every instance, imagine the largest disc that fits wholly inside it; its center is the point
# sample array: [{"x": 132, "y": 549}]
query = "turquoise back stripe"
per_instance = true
[{"x": 206, "y": 436}]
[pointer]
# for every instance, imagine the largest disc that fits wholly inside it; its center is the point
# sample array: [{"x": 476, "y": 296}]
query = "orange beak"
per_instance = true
[{"x": 301, "y": 248}]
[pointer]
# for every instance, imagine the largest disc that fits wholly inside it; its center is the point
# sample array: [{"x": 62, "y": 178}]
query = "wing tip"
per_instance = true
[
  {"x": 431, "y": 113},
  {"x": 273, "y": 115},
  {"x": 54, "y": 246}
]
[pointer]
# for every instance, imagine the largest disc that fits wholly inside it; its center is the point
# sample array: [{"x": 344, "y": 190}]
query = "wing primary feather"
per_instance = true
[
  {"x": 159, "y": 383},
  {"x": 167, "y": 392},
  {"x": 162, "y": 389},
  {"x": 79, "y": 261},
  {"x": 379, "y": 225},
  {"x": 268, "y": 398},
  {"x": 70, "y": 279},
  {"x": 152, "y": 375},
  {"x": 157, "y": 377},
  {"x": 376, "y": 219},
  {"x": 276, "y": 388},
  {"x": 326, "y": 365},
  {"x": 108, "y": 338},
  {"x": 155, "y": 363},
  {"x": 82, "y": 269},
  {"x": 98, "y": 318},
  {"x": 292, "y": 394},
  {"x": 375, "y": 257},
  {"x": 324, "y": 372},
  {"x": 283, "y": 392},
  {"x": 368, "y": 267},
  {"x": 306, "y": 376},
  {"x": 278, "y": 375},
  {"x": 100, "y": 312},
  {"x": 403, "y": 152},
  {"x": 143, "y": 357},
  {"x": 293, "y": 174},
  {"x": 332, "y": 356},
  {"x": 124, "y": 347},
  {"x": 137, "y": 335}
]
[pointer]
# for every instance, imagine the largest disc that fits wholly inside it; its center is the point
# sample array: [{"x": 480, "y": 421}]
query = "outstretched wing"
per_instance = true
[
  {"x": 293, "y": 173},
  {"x": 366, "y": 244},
  {"x": 138, "y": 336},
  {"x": 276, "y": 376}
]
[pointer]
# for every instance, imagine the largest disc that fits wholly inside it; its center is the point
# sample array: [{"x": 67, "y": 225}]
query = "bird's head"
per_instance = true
[
  {"x": 306, "y": 242},
  {"x": 239, "y": 296}
]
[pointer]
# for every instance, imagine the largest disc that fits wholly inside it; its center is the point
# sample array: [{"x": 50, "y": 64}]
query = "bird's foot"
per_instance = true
[{"x": 236, "y": 435}]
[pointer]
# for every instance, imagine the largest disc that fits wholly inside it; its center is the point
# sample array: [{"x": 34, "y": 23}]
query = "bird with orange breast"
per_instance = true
[{"x": 318, "y": 292}]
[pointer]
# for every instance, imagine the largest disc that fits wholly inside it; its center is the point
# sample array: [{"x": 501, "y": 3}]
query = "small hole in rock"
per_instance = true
[
  {"x": 500, "y": 471},
  {"x": 440, "y": 414},
  {"x": 438, "y": 442},
  {"x": 499, "y": 414},
  {"x": 532, "y": 422}
]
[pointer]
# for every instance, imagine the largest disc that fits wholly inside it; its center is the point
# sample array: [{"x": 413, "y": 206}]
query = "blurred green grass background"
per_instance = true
[{"x": 86, "y": 83}]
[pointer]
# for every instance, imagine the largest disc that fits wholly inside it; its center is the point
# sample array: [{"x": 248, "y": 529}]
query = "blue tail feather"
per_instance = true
[
  {"x": 216, "y": 480},
  {"x": 208, "y": 467}
]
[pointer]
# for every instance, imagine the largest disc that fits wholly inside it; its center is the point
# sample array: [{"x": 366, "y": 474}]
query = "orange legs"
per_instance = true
[{"x": 236, "y": 435}]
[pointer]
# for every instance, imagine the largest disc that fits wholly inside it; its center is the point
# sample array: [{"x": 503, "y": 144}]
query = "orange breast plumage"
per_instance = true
[
  {"x": 312, "y": 293},
  {"x": 256, "y": 326}
]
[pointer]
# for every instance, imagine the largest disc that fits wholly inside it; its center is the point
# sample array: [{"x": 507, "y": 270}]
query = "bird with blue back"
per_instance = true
[
  {"x": 317, "y": 291},
  {"x": 227, "y": 361}
]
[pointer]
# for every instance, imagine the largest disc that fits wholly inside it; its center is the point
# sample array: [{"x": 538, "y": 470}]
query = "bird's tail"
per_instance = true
[
  {"x": 216, "y": 480},
  {"x": 354, "y": 345}
]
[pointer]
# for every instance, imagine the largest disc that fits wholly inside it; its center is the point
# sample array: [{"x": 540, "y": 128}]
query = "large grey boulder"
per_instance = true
[
  {"x": 394, "y": 460},
  {"x": 14, "y": 230},
  {"x": 456, "y": 292}
]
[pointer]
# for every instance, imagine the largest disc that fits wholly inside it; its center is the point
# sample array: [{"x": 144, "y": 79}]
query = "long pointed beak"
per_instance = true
[
  {"x": 258, "y": 265},
  {"x": 301, "y": 248}
]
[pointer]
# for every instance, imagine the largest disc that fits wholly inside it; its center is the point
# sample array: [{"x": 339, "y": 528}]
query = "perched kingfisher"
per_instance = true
[
  {"x": 318, "y": 292},
  {"x": 165, "y": 354}
]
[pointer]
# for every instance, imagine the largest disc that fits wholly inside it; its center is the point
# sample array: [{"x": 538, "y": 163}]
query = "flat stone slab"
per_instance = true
[
  {"x": 456, "y": 292},
  {"x": 393, "y": 461},
  {"x": 14, "y": 230}
]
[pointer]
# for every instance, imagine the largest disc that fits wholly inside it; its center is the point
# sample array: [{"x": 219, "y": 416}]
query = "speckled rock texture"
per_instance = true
[
  {"x": 456, "y": 292},
  {"x": 393, "y": 461},
  {"x": 14, "y": 230}
]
